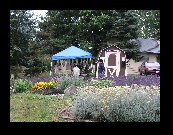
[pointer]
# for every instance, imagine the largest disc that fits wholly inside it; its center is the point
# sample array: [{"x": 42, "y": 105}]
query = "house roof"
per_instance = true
[
  {"x": 148, "y": 45},
  {"x": 155, "y": 50}
]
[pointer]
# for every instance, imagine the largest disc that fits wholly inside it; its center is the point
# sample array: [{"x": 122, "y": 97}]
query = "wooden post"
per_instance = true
[{"x": 51, "y": 68}]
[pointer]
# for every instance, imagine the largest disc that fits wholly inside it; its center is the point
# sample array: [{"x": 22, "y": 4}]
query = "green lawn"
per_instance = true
[{"x": 28, "y": 107}]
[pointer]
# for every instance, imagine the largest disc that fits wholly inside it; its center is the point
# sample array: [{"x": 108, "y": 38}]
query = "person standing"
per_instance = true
[{"x": 101, "y": 69}]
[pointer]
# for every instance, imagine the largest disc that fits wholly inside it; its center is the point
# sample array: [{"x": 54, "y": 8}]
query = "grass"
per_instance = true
[{"x": 29, "y": 107}]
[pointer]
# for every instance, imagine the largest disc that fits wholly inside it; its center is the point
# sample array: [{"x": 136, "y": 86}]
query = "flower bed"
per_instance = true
[{"x": 48, "y": 91}]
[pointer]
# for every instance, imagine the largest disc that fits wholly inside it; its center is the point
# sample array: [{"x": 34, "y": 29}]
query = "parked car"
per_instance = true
[
  {"x": 148, "y": 68},
  {"x": 158, "y": 71}
]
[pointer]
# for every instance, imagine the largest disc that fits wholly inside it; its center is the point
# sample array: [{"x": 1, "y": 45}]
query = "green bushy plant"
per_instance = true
[
  {"x": 77, "y": 81},
  {"x": 67, "y": 81},
  {"x": 64, "y": 82},
  {"x": 118, "y": 104},
  {"x": 22, "y": 85},
  {"x": 37, "y": 66},
  {"x": 101, "y": 83}
]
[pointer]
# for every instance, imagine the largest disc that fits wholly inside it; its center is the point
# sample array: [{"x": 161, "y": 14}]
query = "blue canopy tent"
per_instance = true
[{"x": 72, "y": 53}]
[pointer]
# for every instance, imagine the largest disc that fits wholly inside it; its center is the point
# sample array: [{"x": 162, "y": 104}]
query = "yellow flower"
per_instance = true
[{"x": 107, "y": 107}]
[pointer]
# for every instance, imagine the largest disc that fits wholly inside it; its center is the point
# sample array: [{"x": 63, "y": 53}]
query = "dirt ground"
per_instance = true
[{"x": 65, "y": 114}]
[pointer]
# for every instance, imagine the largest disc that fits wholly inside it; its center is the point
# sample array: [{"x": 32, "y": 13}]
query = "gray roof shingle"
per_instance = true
[
  {"x": 155, "y": 50},
  {"x": 148, "y": 45}
]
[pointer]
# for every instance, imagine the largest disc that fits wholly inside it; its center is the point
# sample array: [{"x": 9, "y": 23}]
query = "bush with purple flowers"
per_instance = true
[{"x": 139, "y": 80}]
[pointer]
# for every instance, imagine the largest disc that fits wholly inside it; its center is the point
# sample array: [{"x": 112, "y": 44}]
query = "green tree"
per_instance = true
[
  {"x": 149, "y": 23},
  {"x": 124, "y": 29},
  {"x": 24, "y": 46},
  {"x": 22, "y": 28},
  {"x": 89, "y": 29}
]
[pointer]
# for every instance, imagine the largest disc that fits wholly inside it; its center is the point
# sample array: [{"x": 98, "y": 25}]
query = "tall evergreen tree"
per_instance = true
[
  {"x": 149, "y": 23},
  {"x": 124, "y": 30},
  {"x": 89, "y": 29},
  {"x": 21, "y": 33}
]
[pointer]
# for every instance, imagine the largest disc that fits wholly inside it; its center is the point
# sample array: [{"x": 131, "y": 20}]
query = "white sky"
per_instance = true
[{"x": 40, "y": 13}]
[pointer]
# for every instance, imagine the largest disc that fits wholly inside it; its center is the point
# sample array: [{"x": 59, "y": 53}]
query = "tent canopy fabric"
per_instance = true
[{"x": 72, "y": 53}]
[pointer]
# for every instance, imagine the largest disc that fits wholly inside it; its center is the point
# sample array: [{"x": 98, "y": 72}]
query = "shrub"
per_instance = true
[
  {"x": 118, "y": 104},
  {"x": 22, "y": 85},
  {"x": 67, "y": 81},
  {"x": 101, "y": 83},
  {"x": 37, "y": 66},
  {"x": 64, "y": 82},
  {"x": 77, "y": 81}
]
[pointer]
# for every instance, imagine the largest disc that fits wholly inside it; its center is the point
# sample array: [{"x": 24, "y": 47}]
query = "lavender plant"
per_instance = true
[
  {"x": 139, "y": 80},
  {"x": 67, "y": 81}
]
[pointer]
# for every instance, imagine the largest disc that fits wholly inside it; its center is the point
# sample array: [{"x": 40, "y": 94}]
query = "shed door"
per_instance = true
[{"x": 112, "y": 61}]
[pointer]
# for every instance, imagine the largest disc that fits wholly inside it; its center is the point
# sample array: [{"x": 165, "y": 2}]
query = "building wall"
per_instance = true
[{"x": 152, "y": 57}]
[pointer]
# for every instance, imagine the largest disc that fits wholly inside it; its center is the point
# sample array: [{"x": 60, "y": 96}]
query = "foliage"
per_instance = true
[
  {"x": 149, "y": 23},
  {"x": 77, "y": 81},
  {"x": 15, "y": 70},
  {"x": 44, "y": 85},
  {"x": 24, "y": 48},
  {"x": 88, "y": 29},
  {"x": 66, "y": 81},
  {"x": 37, "y": 66},
  {"x": 86, "y": 70},
  {"x": 45, "y": 79},
  {"x": 29, "y": 107},
  {"x": 118, "y": 104},
  {"x": 124, "y": 29},
  {"x": 101, "y": 83},
  {"x": 21, "y": 32},
  {"x": 22, "y": 85},
  {"x": 139, "y": 80}
]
